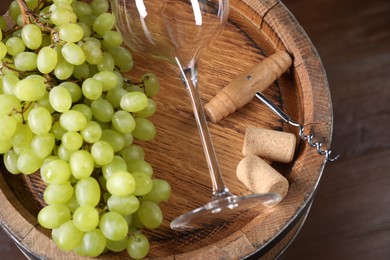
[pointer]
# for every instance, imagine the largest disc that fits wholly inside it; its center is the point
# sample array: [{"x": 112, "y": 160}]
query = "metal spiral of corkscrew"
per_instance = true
[{"x": 309, "y": 137}]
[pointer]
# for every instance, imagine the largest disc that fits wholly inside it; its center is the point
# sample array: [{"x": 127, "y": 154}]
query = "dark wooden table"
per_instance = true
[{"x": 350, "y": 217}]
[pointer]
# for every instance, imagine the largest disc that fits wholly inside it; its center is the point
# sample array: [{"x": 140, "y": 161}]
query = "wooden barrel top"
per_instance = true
[{"x": 255, "y": 30}]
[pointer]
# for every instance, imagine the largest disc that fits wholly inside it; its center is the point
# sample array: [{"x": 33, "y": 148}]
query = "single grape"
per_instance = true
[
  {"x": 73, "y": 120},
  {"x": 143, "y": 183},
  {"x": 73, "y": 53},
  {"x": 26, "y": 61},
  {"x": 72, "y": 141},
  {"x": 134, "y": 101},
  {"x": 113, "y": 225},
  {"x": 74, "y": 90},
  {"x": 81, "y": 164},
  {"x": 67, "y": 236},
  {"x": 58, "y": 193},
  {"x": 144, "y": 129},
  {"x": 70, "y": 32},
  {"x": 60, "y": 99},
  {"x": 86, "y": 218},
  {"x": 103, "y": 23},
  {"x": 117, "y": 246},
  {"x": 124, "y": 205},
  {"x": 42, "y": 145},
  {"x": 56, "y": 171},
  {"x": 107, "y": 63},
  {"x": 117, "y": 164},
  {"x": 15, "y": 45},
  {"x": 149, "y": 213},
  {"x": 121, "y": 183},
  {"x": 88, "y": 192},
  {"x": 32, "y": 36},
  {"x": 10, "y": 159},
  {"x": 102, "y": 110},
  {"x": 63, "y": 69},
  {"x": 47, "y": 60},
  {"x": 151, "y": 83},
  {"x": 99, "y": 6},
  {"x": 28, "y": 162},
  {"x": 92, "y": 88},
  {"x": 53, "y": 216},
  {"x": 92, "y": 133},
  {"x": 60, "y": 16},
  {"x": 138, "y": 246},
  {"x": 123, "y": 58},
  {"x": 114, "y": 138},
  {"x": 108, "y": 79},
  {"x": 161, "y": 191},
  {"x": 102, "y": 152},
  {"x": 93, "y": 244},
  {"x": 81, "y": 8},
  {"x": 112, "y": 39},
  {"x": 92, "y": 51},
  {"x": 123, "y": 122},
  {"x": 138, "y": 165},
  {"x": 132, "y": 152},
  {"x": 8, "y": 125}
]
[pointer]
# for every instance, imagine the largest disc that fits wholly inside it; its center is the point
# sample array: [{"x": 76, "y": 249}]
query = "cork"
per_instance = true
[
  {"x": 260, "y": 177},
  {"x": 269, "y": 144}
]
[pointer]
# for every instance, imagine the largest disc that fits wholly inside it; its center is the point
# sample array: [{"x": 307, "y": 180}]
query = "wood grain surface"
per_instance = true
[{"x": 350, "y": 215}]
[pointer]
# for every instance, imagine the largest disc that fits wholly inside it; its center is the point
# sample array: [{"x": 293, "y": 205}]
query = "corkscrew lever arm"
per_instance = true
[{"x": 309, "y": 137}]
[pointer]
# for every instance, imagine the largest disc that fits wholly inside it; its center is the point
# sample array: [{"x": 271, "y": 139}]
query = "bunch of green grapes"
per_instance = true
[{"x": 67, "y": 112}]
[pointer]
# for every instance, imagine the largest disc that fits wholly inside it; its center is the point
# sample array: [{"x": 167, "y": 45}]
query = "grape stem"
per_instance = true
[{"x": 24, "y": 11}]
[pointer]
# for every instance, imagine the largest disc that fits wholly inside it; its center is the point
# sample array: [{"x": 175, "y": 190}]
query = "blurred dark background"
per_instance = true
[{"x": 350, "y": 216}]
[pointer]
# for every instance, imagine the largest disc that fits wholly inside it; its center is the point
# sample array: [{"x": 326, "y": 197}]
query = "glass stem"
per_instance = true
[{"x": 189, "y": 76}]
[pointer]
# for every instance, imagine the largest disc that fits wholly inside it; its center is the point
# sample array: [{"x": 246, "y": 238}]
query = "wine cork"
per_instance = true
[
  {"x": 269, "y": 144},
  {"x": 260, "y": 177},
  {"x": 242, "y": 89}
]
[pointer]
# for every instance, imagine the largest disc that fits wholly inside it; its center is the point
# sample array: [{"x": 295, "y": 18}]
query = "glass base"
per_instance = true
[{"x": 223, "y": 209}]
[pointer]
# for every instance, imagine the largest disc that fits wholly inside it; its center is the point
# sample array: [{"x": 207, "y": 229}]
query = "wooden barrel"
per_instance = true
[{"x": 255, "y": 30}]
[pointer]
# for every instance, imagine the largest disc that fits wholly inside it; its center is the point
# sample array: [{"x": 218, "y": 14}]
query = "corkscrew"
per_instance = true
[{"x": 305, "y": 137}]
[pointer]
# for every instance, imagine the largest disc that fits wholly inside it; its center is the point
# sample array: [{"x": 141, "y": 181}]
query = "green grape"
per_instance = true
[
  {"x": 81, "y": 164},
  {"x": 148, "y": 111},
  {"x": 8, "y": 126},
  {"x": 112, "y": 39},
  {"x": 143, "y": 183},
  {"x": 151, "y": 83},
  {"x": 124, "y": 205},
  {"x": 138, "y": 246},
  {"x": 14, "y": 10},
  {"x": 42, "y": 145},
  {"x": 93, "y": 244},
  {"x": 93, "y": 52},
  {"x": 99, "y": 6},
  {"x": 53, "y": 216},
  {"x": 114, "y": 96},
  {"x": 60, "y": 99},
  {"x": 134, "y": 101},
  {"x": 117, "y": 246},
  {"x": 161, "y": 191},
  {"x": 73, "y": 53},
  {"x": 70, "y": 32},
  {"x": 121, "y": 183},
  {"x": 84, "y": 109},
  {"x": 28, "y": 162},
  {"x": 86, "y": 218},
  {"x": 102, "y": 152},
  {"x": 8, "y": 103},
  {"x": 67, "y": 236},
  {"x": 123, "y": 58},
  {"x": 137, "y": 165},
  {"x": 15, "y": 45},
  {"x": 63, "y": 69},
  {"x": 132, "y": 152},
  {"x": 123, "y": 122},
  {"x": 31, "y": 88},
  {"x": 114, "y": 138},
  {"x": 22, "y": 137},
  {"x": 102, "y": 110},
  {"x": 113, "y": 225},
  {"x": 88, "y": 192},
  {"x": 103, "y": 23},
  {"x": 56, "y": 171},
  {"x": 39, "y": 120},
  {"x": 3, "y": 23},
  {"x": 32, "y": 36},
  {"x": 87, "y": 19},
  {"x": 72, "y": 141},
  {"x": 92, "y": 132},
  {"x": 47, "y": 60},
  {"x": 107, "y": 63},
  {"x": 63, "y": 153},
  {"x": 92, "y": 88},
  {"x": 10, "y": 159},
  {"x": 149, "y": 213},
  {"x": 108, "y": 79},
  {"x": 32, "y": 4},
  {"x": 57, "y": 130},
  {"x": 144, "y": 129},
  {"x": 26, "y": 61},
  {"x": 73, "y": 120},
  {"x": 60, "y": 16},
  {"x": 81, "y": 8},
  {"x": 74, "y": 90},
  {"x": 3, "y": 50},
  {"x": 81, "y": 71},
  {"x": 9, "y": 82},
  {"x": 72, "y": 204},
  {"x": 58, "y": 193},
  {"x": 86, "y": 29},
  {"x": 117, "y": 164},
  {"x": 5, "y": 145}
]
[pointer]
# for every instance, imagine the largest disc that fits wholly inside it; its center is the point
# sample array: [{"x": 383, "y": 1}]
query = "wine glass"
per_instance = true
[{"x": 177, "y": 31}]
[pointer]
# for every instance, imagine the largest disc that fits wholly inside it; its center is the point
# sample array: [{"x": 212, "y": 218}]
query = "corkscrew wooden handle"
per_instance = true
[{"x": 241, "y": 90}]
